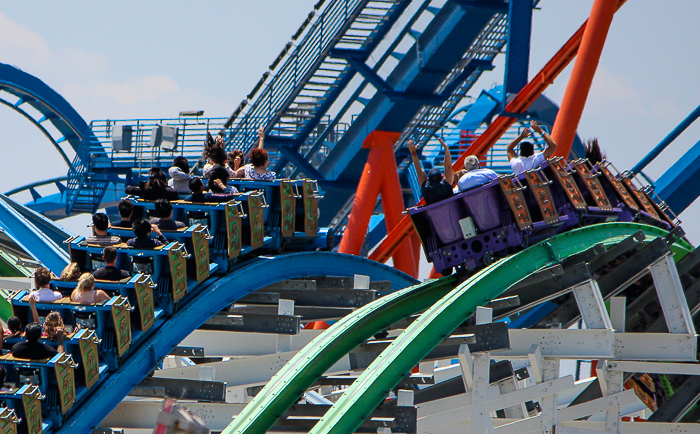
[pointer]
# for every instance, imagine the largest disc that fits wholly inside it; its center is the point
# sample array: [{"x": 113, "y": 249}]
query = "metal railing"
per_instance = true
[
  {"x": 140, "y": 154},
  {"x": 298, "y": 64}
]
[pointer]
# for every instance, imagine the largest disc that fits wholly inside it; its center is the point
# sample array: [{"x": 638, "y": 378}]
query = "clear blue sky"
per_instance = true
[{"x": 133, "y": 59}]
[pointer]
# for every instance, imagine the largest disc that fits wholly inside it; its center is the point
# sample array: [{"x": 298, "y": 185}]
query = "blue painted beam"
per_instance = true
[
  {"x": 291, "y": 154},
  {"x": 50, "y": 229},
  {"x": 518, "y": 46},
  {"x": 679, "y": 186},
  {"x": 492, "y": 5},
  {"x": 685, "y": 123},
  {"x": 33, "y": 240},
  {"x": 39, "y": 95},
  {"x": 208, "y": 299}
]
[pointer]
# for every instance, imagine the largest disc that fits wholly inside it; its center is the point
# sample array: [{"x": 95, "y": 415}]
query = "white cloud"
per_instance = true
[
  {"x": 609, "y": 86},
  {"x": 143, "y": 89},
  {"x": 20, "y": 45},
  {"x": 77, "y": 62}
]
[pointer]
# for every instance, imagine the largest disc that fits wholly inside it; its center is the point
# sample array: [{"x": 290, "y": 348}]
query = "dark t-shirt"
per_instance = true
[
  {"x": 436, "y": 191},
  {"x": 152, "y": 193},
  {"x": 123, "y": 224},
  {"x": 147, "y": 242},
  {"x": 168, "y": 225},
  {"x": 110, "y": 273},
  {"x": 33, "y": 350}
]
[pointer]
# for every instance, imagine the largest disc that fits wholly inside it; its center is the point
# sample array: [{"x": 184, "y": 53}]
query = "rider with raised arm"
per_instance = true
[
  {"x": 528, "y": 159},
  {"x": 434, "y": 187}
]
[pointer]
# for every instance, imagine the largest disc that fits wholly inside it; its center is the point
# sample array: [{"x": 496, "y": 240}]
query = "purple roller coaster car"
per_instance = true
[{"x": 478, "y": 226}]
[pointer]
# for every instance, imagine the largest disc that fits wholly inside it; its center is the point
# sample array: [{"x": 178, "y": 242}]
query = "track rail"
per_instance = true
[
  {"x": 452, "y": 307},
  {"x": 446, "y": 315},
  {"x": 207, "y": 300}
]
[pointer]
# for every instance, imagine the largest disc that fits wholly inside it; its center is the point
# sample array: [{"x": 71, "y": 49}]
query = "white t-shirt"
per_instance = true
[
  {"x": 521, "y": 164},
  {"x": 45, "y": 295},
  {"x": 476, "y": 178}
]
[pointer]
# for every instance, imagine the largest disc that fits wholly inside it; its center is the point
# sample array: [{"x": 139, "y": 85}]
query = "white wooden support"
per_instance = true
[
  {"x": 466, "y": 364},
  {"x": 285, "y": 307},
  {"x": 642, "y": 428},
  {"x": 361, "y": 281},
  {"x": 571, "y": 413},
  {"x": 671, "y": 296},
  {"x": 481, "y": 419},
  {"x": 535, "y": 356},
  {"x": 518, "y": 411},
  {"x": 565, "y": 344},
  {"x": 207, "y": 373},
  {"x": 426, "y": 367},
  {"x": 611, "y": 382},
  {"x": 656, "y": 347},
  {"x": 484, "y": 315},
  {"x": 591, "y": 305},
  {"x": 404, "y": 398},
  {"x": 284, "y": 342},
  {"x": 654, "y": 367},
  {"x": 443, "y": 363},
  {"x": 549, "y": 404},
  {"x": 618, "y": 313}
]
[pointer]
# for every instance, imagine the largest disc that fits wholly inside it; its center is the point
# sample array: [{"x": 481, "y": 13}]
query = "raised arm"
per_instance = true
[
  {"x": 511, "y": 146},
  {"x": 449, "y": 173},
  {"x": 261, "y": 137},
  {"x": 35, "y": 314},
  {"x": 416, "y": 163},
  {"x": 551, "y": 144}
]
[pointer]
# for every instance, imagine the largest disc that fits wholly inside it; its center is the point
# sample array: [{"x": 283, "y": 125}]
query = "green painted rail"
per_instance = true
[
  {"x": 424, "y": 334},
  {"x": 289, "y": 384}
]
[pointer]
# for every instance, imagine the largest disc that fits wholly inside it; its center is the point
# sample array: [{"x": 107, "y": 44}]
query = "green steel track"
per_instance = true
[{"x": 448, "y": 307}]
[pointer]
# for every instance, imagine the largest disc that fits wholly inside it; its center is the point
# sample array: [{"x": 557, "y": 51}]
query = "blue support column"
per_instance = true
[{"x": 518, "y": 48}]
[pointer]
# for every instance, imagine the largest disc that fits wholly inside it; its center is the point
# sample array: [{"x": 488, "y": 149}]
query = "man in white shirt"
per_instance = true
[
  {"x": 475, "y": 175},
  {"x": 43, "y": 292},
  {"x": 528, "y": 159}
]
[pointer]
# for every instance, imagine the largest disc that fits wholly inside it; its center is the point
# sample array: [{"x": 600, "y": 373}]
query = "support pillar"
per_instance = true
[
  {"x": 379, "y": 176},
  {"x": 582, "y": 74}
]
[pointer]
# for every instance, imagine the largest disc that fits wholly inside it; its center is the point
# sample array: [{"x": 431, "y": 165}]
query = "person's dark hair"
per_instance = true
[
  {"x": 100, "y": 221},
  {"x": 33, "y": 332},
  {"x": 232, "y": 157},
  {"x": 258, "y": 157},
  {"x": 182, "y": 163},
  {"x": 156, "y": 179},
  {"x": 42, "y": 277},
  {"x": 217, "y": 173},
  {"x": 217, "y": 155},
  {"x": 141, "y": 228},
  {"x": 14, "y": 324},
  {"x": 196, "y": 185},
  {"x": 163, "y": 208},
  {"x": 126, "y": 208},
  {"x": 434, "y": 175},
  {"x": 527, "y": 149},
  {"x": 3, "y": 375},
  {"x": 109, "y": 254},
  {"x": 593, "y": 152}
]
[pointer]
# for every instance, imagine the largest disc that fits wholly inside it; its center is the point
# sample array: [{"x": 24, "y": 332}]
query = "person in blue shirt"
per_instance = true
[{"x": 475, "y": 176}]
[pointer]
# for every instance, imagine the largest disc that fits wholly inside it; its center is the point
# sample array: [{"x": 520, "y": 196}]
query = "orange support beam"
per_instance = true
[
  {"x": 380, "y": 176},
  {"x": 582, "y": 75},
  {"x": 496, "y": 129}
]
